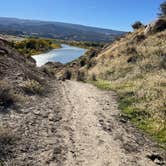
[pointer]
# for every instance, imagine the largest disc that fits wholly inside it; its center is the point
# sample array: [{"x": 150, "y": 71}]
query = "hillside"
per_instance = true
[
  {"x": 46, "y": 121},
  {"x": 134, "y": 67},
  {"x": 19, "y": 77},
  {"x": 65, "y": 31}
]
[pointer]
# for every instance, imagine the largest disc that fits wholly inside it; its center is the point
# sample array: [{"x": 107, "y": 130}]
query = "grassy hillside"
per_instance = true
[{"x": 135, "y": 67}]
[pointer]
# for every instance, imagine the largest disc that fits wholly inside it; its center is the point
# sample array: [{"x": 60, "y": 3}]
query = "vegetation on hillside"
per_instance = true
[{"x": 33, "y": 46}]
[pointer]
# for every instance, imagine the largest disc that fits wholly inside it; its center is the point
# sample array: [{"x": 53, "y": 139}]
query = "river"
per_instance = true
[{"x": 64, "y": 55}]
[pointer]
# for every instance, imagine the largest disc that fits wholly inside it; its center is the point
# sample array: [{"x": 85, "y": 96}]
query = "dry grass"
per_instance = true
[
  {"x": 7, "y": 140},
  {"x": 136, "y": 70},
  {"x": 32, "y": 87},
  {"x": 8, "y": 97}
]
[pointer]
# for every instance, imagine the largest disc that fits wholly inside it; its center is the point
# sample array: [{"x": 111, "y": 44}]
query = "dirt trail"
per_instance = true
[
  {"x": 75, "y": 125},
  {"x": 96, "y": 137}
]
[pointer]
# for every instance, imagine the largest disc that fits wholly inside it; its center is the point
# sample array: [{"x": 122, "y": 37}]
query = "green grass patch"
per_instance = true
[
  {"x": 102, "y": 84},
  {"x": 128, "y": 104}
]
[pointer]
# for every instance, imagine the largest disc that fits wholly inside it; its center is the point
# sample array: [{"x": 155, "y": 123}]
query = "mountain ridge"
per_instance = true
[{"x": 58, "y": 30}]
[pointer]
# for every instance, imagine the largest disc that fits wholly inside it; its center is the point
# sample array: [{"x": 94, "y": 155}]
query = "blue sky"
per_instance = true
[{"x": 112, "y": 14}]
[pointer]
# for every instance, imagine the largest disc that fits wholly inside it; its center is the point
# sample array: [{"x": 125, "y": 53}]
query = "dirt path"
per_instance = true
[
  {"x": 95, "y": 135},
  {"x": 75, "y": 125}
]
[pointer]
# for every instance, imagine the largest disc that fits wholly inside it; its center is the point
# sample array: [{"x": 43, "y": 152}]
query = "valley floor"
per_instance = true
[{"x": 76, "y": 125}]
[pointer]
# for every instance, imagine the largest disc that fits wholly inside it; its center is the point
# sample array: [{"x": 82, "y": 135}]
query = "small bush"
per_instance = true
[
  {"x": 137, "y": 25},
  {"x": 30, "y": 75},
  {"x": 94, "y": 77},
  {"x": 83, "y": 62},
  {"x": 7, "y": 139},
  {"x": 32, "y": 87},
  {"x": 140, "y": 38},
  {"x": 80, "y": 76},
  {"x": 7, "y": 96},
  {"x": 92, "y": 54},
  {"x": 163, "y": 62},
  {"x": 132, "y": 59},
  {"x": 91, "y": 64},
  {"x": 48, "y": 70},
  {"x": 67, "y": 75},
  {"x": 130, "y": 50}
]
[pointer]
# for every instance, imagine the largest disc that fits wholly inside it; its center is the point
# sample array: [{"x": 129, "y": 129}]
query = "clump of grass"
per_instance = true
[
  {"x": 94, "y": 78},
  {"x": 8, "y": 97},
  {"x": 67, "y": 75},
  {"x": 102, "y": 84},
  {"x": 48, "y": 70},
  {"x": 7, "y": 140},
  {"x": 32, "y": 87},
  {"x": 82, "y": 62},
  {"x": 80, "y": 76}
]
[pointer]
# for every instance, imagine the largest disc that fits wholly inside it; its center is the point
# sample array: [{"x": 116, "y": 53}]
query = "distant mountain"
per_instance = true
[{"x": 65, "y": 31}]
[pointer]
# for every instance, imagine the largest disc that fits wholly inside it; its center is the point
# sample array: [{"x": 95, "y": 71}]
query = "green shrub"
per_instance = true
[{"x": 137, "y": 25}]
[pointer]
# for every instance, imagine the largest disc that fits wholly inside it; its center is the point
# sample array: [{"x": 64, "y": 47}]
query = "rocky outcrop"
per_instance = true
[{"x": 156, "y": 26}]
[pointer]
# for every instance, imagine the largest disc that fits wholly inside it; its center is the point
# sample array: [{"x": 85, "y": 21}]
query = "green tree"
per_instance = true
[{"x": 137, "y": 25}]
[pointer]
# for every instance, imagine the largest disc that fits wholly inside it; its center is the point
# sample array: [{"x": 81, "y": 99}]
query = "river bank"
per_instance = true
[
  {"x": 33, "y": 46},
  {"x": 63, "y": 55}
]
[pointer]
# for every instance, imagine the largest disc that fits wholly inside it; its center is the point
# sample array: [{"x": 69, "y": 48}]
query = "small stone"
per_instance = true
[
  {"x": 36, "y": 112},
  {"x": 51, "y": 117}
]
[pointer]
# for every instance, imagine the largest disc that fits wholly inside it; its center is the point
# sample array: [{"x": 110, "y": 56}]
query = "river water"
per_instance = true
[{"x": 64, "y": 55}]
